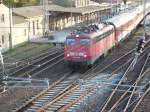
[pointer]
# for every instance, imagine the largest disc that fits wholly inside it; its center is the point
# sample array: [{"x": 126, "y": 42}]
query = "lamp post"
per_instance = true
[
  {"x": 144, "y": 21},
  {"x": 71, "y": 12},
  {"x": 111, "y": 6},
  {"x": 46, "y": 18}
]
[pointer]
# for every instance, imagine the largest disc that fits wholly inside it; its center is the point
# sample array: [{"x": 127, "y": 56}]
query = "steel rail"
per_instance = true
[
  {"x": 126, "y": 73},
  {"x": 84, "y": 95},
  {"x": 129, "y": 52},
  {"x": 140, "y": 100},
  {"x": 121, "y": 98},
  {"x": 41, "y": 66},
  {"x": 51, "y": 65},
  {"x": 26, "y": 60},
  {"x": 69, "y": 91},
  {"x": 32, "y": 62},
  {"x": 36, "y": 63},
  {"x": 34, "y": 70},
  {"x": 109, "y": 65},
  {"x": 125, "y": 109},
  {"x": 119, "y": 83},
  {"x": 71, "y": 103},
  {"x": 49, "y": 103},
  {"x": 64, "y": 108},
  {"x": 30, "y": 102}
]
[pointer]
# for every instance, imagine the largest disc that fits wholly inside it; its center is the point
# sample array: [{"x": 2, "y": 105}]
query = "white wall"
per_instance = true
[
  {"x": 18, "y": 30},
  {"x": 4, "y": 26},
  {"x": 38, "y": 31},
  {"x": 22, "y": 33},
  {"x": 19, "y": 33}
]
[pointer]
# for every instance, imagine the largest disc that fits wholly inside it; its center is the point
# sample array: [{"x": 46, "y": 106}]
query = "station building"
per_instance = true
[
  {"x": 18, "y": 25},
  {"x": 66, "y": 14},
  {"x": 5, "y": 40}
]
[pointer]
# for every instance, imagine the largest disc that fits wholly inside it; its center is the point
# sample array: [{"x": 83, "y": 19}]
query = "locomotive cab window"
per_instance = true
[
  {"x": 84, "y": 41},
  {"x": 70, "y": 42}
]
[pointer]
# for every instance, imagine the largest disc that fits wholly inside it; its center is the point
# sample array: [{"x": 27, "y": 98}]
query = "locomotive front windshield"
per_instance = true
[
  {"x": 84, "y": 41},
  {"x": 70, "y": 42}
]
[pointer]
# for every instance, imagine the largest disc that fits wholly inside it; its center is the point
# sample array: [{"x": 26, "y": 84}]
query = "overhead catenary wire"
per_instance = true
[
  {"x": 136, "y": 83},
  {"x": 14, "y": 81},
  {"x": 112, "y": 94},
  {"x": 110, "y": 97},
  {"x": 27, "y": 61},
  {"x": 37, "y": 66},
  {"x": 140, "y": 100}
]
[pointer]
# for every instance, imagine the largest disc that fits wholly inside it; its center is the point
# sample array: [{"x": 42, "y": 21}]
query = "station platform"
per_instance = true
[{"x": 55, "y": 37}]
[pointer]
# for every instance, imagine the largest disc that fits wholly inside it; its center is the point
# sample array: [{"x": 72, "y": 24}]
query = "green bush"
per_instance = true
[{"x": 20, "y": 3}]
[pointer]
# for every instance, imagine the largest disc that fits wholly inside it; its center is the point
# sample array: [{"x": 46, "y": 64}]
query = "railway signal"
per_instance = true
[
  {"x": 140, "y": 45},
  {"x": 138, "y": 50}
]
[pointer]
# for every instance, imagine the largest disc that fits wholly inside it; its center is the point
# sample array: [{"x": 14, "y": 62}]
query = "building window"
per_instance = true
[
  {"x": 33, "y": 28},
  {"x": 29, "y": 27},
  {"x": 2, "y": 18},
  {"x": 25, "y": 33},
  {"x": 37, "y": 24},
  {"x": 3, "y": 40}
]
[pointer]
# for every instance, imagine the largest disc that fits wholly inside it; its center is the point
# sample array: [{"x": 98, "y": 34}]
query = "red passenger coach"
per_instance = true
[{"x": 86, "y": 44}]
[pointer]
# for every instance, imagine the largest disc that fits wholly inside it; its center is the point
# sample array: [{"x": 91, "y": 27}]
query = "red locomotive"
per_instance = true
[{"x": 86, "y": 44}]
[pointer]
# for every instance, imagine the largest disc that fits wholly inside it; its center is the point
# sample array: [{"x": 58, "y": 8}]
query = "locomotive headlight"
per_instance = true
[
  {"x": 85, "y": 56},
  {"x": 68, "y": 55}
]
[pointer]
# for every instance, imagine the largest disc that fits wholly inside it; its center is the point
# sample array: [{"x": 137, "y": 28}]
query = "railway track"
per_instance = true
[
  {"x": 71, "y": 97},
  {"x": 37, "y": 64},
  {"x": 140, "y": 105},
  {"x": 69, "y": 101},
  {"x": 72, "y": 94},
  {"x": 53, "y": 91},
  {"x": 20, "y": 64},
  {"x": 74, "y": 103},
  {"x": 111, "y": 104}
]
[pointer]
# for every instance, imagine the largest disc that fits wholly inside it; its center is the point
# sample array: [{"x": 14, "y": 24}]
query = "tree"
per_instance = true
[{"x": 20, "y": 3}]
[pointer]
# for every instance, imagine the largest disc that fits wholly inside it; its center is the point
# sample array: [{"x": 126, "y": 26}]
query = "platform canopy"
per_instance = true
[
  {"x": 36, "y": 11},
  {"x": 80, "y": 10}
]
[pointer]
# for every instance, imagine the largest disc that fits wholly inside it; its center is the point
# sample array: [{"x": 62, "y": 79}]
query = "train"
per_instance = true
[{"x": 86, "y": 44}]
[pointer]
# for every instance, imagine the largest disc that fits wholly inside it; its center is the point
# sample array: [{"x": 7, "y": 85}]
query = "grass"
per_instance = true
[{"x": 27, "y": 50}]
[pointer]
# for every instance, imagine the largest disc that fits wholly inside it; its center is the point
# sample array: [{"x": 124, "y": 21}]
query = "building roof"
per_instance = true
[
  {"x": 81, "y": 10},
  {"x": 29, "y": 12},
  {"x": 18, "y": 19},
  {"x": 36, "y": 11}
]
